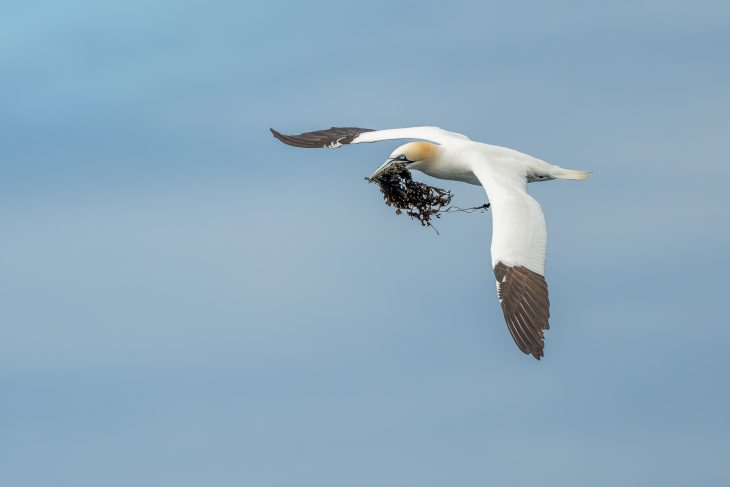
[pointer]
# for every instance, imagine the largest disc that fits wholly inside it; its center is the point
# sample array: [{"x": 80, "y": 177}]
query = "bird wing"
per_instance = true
[
  {"x": 519, "y": 242},
  {"x": 338, "y": 136}
]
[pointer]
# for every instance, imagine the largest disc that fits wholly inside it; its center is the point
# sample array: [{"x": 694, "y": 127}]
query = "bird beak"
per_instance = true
[{"x": 382, "y": 168}]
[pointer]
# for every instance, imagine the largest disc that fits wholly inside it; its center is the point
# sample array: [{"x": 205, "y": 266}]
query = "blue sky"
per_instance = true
[{"x": 185, "y": 301}]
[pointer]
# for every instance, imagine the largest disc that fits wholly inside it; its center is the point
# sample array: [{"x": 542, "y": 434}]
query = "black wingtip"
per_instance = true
[{"x": 330, "y": 138}]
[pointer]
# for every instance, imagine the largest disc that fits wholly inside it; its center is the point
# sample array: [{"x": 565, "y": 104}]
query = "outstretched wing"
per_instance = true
[
  {"x": 519, "y": 241},
  {"x": 339, "y": 136},
  {"x": 329, "y": 139}
]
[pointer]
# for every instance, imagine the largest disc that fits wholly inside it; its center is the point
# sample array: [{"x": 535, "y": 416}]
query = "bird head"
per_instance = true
[{"x": 412, "y": 155}]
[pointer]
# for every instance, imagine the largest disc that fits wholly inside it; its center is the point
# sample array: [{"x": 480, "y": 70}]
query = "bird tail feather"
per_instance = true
[{"x": 571, "y": 174}]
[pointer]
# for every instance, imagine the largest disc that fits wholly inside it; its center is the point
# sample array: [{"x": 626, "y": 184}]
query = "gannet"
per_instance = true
[{"x": 519, "y": 235}]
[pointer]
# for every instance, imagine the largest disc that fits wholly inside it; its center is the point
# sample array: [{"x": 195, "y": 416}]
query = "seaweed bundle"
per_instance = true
[{"x": 418, "y": 200}]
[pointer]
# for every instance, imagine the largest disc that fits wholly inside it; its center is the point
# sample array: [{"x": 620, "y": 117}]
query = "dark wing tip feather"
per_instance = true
[
  {"x": 289, "y": 140},
  {"x": 329, "y": 138},
  {"x": 524, "y": 299}
]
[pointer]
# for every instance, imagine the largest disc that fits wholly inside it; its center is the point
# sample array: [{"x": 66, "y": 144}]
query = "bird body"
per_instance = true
[
  {"x": 519, "y": 236},
  {"x": 459, "y": 161}
]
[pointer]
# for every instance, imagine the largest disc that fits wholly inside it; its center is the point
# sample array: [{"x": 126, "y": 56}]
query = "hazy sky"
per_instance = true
[{"x": 185, "y": 301}]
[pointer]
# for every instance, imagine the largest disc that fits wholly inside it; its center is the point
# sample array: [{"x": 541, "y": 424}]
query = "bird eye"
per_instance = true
[{"x": 402, "y": 157}]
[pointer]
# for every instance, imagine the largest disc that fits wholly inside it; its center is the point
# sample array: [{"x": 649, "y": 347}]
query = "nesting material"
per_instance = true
[{"x": 418, "y": 200}]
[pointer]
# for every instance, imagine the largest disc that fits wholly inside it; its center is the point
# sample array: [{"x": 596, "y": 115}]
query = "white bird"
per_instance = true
[{"x": 518, "y": 226}]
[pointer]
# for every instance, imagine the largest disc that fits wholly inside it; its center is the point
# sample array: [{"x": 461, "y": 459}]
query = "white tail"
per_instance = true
[{"x": 561, "y": 173}]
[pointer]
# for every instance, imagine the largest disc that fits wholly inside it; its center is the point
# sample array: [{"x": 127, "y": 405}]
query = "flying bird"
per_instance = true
[{"x": 519, "y": 236}]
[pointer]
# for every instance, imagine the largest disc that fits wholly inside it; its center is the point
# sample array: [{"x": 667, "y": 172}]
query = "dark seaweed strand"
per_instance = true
[{"x": 419, "y": 201}]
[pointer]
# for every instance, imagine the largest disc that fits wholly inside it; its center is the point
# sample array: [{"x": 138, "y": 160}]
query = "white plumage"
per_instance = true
[{"x": 519, "y": 237}]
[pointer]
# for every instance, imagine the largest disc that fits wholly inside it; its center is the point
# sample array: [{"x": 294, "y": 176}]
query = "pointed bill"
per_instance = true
[{"x": 382, "y": 168}]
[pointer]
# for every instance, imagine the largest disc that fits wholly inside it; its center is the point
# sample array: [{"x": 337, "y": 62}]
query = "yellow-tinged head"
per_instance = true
[
  {"x": 415, "y": 152},
  {"x": 415, "y": 155}
]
